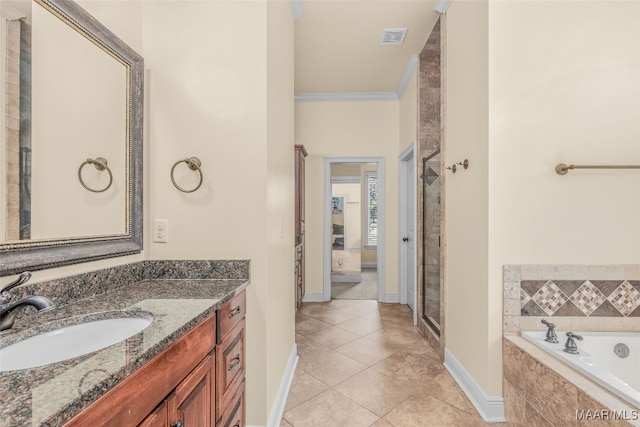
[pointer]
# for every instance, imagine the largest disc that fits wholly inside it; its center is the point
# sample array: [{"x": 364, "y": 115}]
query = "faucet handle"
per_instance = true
[
  {"x": 5, "y": 297},
  {"x": 551, "y": 333},
  {"x": 570, "y": 346}
]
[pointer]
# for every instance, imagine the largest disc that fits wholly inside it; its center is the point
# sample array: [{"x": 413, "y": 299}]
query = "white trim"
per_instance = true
[
  {"x": 441, "y": 6},
  {"x": 356, "y": 278},
  {"x": 313, "y": 297},
  {"x": 391, "y": 298},
  {"x": 327, "y": 221},
  {"x": 406, "y": 77},
  {"x": 490, "y": 408},
  {"x": 277, "y": 410},
  {"x": 346, "y": 96},
  {"x": 296, "y": 9}
]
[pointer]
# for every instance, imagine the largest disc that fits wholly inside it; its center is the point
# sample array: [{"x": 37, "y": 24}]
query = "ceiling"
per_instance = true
[{"x": 338, "y": 50}]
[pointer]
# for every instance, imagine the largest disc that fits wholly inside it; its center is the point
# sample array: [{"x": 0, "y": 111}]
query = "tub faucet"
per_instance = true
[
  {"x": 8, "y": 312},
  {"x": 570, "y": 346},
  {"x": 551, "y": 332}
]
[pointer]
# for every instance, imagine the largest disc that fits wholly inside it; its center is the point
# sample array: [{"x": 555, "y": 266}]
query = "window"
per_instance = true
[{"x": 371, "y": 179}]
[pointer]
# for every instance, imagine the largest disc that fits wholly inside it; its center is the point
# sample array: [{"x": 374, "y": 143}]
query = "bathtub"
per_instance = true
[{"x": 598, "y": 360}]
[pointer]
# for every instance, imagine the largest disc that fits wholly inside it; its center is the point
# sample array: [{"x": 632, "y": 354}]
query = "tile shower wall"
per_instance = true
[{"x": 577, "y": 297}]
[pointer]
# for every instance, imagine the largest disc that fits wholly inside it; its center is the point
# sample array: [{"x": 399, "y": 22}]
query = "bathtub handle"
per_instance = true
[
  {"x": 570, "y": 346},
  {"x": 551, "y": 333}
]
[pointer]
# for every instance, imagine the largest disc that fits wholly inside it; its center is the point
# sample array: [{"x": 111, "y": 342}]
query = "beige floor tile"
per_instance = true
[
  {"x": 332, "y": 337},
  {"x": 376, "y": 391},
  {"x": 361, "y": 326},
  {"x": 331, "y": 367},
  {"x": 359, "y": 307},
  {"x": 330, "y": 408},
  {"x": 394, "y": 336},
  {"x": 303, "y": 387},
  {"x": 445, "y": 388},
  {"x": 307, "y": 346},
  {"x": 409, "y": 367},
  {"x": 285, "y": 423},
  {"x": 306, "y": 324},
  {"x": 422, "y": 410},
  {"x": 328, "y": 315},
  {"x": 382, "y": 423},
  {"x": 368, "y": 351}
]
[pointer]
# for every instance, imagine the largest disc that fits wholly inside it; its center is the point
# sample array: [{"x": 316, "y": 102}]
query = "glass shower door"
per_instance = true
[{"x": 431, "y": 192}]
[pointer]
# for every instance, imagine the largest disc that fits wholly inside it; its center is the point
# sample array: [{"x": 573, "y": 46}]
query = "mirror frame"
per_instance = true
[{"x": 39, "y": 255}]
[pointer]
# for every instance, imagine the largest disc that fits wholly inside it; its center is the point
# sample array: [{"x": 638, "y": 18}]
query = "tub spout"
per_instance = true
[{"x": 570, "y": 346}]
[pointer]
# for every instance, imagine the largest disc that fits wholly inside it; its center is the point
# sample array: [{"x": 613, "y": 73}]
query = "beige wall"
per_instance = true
[
  {"x": 79, "y": 94},
  {"x": 280, "y": 197},
  {"x": 571, "y": 96},
  {"x": 348, "y": 129},
  {"x": 466, "y": 192},
  {"x": 227, "y": 104},
  {"x": 408, "y": 115}
]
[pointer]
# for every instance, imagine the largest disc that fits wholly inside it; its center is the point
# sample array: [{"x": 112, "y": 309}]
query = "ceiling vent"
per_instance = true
[{"x": 393, "y": 36}]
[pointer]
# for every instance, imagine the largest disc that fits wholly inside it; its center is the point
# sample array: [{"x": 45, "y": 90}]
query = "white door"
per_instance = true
[{"x": 410, "y": 236}]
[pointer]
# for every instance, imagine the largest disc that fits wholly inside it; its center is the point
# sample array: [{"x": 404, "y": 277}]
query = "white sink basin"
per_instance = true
[{"x": 69, "y": 342}]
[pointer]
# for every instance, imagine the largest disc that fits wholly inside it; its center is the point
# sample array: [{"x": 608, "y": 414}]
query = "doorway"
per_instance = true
[{"x": 354, "y": 228}]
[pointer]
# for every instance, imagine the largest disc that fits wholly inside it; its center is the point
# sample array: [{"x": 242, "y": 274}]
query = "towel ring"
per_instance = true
[
  {"x": 101, "y": 164},
  {"x": 194, "y": 164}
]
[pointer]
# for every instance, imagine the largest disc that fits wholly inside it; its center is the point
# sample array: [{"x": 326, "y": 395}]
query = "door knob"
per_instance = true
[{"x": 405, "y": 239}]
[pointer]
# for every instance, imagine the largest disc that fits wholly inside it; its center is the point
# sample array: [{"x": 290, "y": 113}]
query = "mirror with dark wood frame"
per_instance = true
[{"x": 72, "y": 167}]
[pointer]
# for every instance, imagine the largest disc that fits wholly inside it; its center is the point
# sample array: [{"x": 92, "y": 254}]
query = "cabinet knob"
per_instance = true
[{"x": 179, "y": 423}]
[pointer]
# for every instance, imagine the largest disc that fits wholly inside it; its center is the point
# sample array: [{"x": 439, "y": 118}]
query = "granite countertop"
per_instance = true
[{"x": 52, "y": 394}]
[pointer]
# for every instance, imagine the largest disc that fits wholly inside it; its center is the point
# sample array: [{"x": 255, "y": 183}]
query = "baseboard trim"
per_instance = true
[
  {"x": 490, "y": 408},
  {"x": 353, "y": 278},
  {"x": 313, "y": 297},
  {"x": 277, "y": 410},
  {"x": 392, "y": 298},
  {"x": 369, "y": 265}
]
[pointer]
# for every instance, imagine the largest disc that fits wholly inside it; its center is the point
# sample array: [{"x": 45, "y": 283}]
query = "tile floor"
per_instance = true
[{"x": 363, "y": 363}]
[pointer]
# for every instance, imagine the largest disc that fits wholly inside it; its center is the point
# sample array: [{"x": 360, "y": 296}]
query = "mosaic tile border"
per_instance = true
[
  {"x": 578, "y": 297},
  {"x": 607, "y": 298}
]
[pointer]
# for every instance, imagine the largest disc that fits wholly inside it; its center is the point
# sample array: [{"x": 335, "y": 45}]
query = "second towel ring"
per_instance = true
[
  {"x": 101, "y": 164},
  {"x": 194, "y": 164}
]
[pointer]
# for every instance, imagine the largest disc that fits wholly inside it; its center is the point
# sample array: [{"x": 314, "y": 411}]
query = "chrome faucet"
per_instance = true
[
  {"x": 570, "y": 346},
  {"x": 8, "y": 312},
  {"x": 551, "y": 332}
]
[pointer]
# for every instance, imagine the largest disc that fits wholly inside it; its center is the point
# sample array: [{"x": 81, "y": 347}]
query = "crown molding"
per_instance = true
[
  {"x": 364, "y": 96},
  {"x": 442, "y": 6},
  {"x": 296, "y": 9}
]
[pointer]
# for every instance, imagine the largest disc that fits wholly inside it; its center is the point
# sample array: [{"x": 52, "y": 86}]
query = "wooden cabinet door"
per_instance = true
[
  {"x": 191, "y": 404},
  {"x": 158, "y": 418}
]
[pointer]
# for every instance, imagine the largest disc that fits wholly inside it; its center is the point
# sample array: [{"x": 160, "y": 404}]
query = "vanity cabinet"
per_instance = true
[{"x": 197, "y": 381}]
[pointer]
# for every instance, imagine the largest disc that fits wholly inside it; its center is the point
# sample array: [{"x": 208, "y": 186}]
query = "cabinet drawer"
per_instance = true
[
  {"x": 233, "y": 416},
  {"x": 229, "y": 367},
  {"x": 230, "y": 314}
]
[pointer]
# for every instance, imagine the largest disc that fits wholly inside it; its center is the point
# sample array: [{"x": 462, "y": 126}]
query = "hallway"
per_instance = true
[{"x": 363, "y": 363}]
